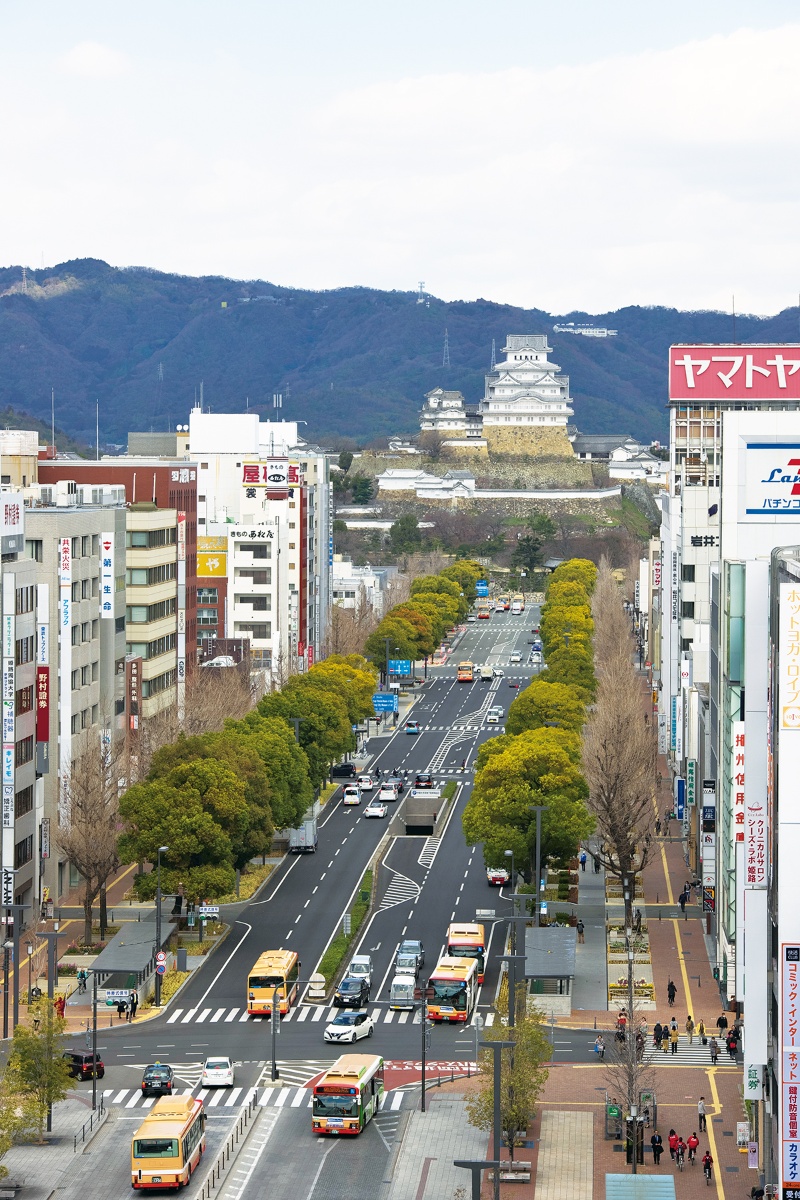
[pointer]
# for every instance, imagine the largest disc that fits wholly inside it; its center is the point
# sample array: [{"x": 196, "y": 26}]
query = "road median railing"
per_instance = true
[
  {"x": 233, "y": 1143},
  {"x": 90, "y": 1127}
]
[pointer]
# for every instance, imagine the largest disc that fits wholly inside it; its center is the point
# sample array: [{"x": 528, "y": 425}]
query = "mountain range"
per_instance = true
[{"x": 354, "y": 362}]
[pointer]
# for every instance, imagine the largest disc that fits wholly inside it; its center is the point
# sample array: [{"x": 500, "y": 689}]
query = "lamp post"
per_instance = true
[
  {"x": 510, "y": 854},
  {"x": 161, "y": 850},
  {"x": 538, "y": 809},
  {"x": 51, "y": 936},
  {"x": 497, "y": 1049},
  {"x": 29, "y": 948},
  {"x": 94, "y": 1038},
  {"x": 8, "y": 946}
]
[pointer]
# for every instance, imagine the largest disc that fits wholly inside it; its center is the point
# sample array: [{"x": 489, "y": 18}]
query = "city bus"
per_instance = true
[
  {"x": 466, "y": 672},
  {"x": 167, "y": 1147},
  {"x": 454, "y": 984},
  {"x": 273, "y": 969},
  {"x": 484, "y": 610},
  {"x": 348, "y": 1095},
  {"x": 505, "y": 601},
  {"x": 467, "y": 941},
  {"x": 518, "y": 603}
]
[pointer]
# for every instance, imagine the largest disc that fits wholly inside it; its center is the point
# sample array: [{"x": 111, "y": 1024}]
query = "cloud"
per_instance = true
[{"x": 91, "y": 60}]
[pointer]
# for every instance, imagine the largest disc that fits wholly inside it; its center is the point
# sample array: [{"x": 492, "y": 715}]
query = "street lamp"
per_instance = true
[
  {"x": 161, "y": 850},
  {"x": 29, "y": 948},
  {"x": 510, "y": 854},
  {"x": 8, "y": 946}
]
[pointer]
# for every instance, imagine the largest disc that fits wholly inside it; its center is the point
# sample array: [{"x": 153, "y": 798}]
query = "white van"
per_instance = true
[
  {"x": 361, "y": 967},
  {"x": 401, "y": 992}
]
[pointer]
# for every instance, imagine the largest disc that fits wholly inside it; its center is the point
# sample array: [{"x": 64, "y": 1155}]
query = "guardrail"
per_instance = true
[
  {"x": 222, "y": 1161},
  {"x": 86, "y": 1129}
]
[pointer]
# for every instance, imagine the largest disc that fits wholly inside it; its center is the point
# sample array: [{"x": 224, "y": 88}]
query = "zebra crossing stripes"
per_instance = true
[
  {"x": 301, "y": 1012},
  {"x": 429, "y": 851},
  {"x": 696, "y": 1055},
  {"x": 295, "y": 1096}
]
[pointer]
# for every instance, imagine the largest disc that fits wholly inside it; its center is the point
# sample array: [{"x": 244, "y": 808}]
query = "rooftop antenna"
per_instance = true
[
  {"x": 53, "y": 418},
  {"x": 446, "y": 351},
  {"x": 733, "y": 315},
  {"x": 97, "y": 430},
  {"x": 494, "y": 357},
  {"x": 421, "y": 292},
  {"x": 25, "y": 279},
  {"x": 277, "y": 401},
  {"x": 201, "y": 395}
]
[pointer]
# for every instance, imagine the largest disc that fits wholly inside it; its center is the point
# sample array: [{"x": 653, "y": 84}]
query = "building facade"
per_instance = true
[{"x": 526, "y": 403}]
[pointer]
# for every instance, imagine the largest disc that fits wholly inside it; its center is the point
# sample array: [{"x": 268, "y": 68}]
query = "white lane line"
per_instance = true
[
  {"x": 318, "y": 1015},
  {"x": 189, "y": 1016},
  {"x": 120, "y": 1096},
  {"x": 402, "y": 1017},
  {"x": 204, "y": 1014},
  {"x": 282, "y": 1097},
  {"x": 299, "y": 1098},
  {"x": 216, "y": 1099},
  {"x": 218, "y": 1015},
  {"x": 232, "y": 1014},
  {"x": 303, "y": 1014},
  {"x": 266, "y": 1096},
  {"x": 396, "y": 1101},
  {"x": 245, "y": 1016}
]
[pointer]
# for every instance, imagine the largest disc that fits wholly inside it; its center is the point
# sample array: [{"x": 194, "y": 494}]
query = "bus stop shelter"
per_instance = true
[{"x": 550, "y": 964}]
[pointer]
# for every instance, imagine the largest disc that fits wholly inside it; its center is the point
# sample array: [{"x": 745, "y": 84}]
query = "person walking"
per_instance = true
[
  {"x": 583, "y": 860},
  {"x": 672, "y": 991},
  {"x": 672, "y": 1142},
  {"x": 133, "y": 1004},
  {"x": 701, "y": 1114},
  {"x": 701, "y": 1032},
  {"x": 690, "y": 1029},
  {"x": 732, "y": 1047},
  {"x": 657, "y": 1035},
  {"x": 658, "y": 827},
  {"x": 600, "y": 1046},
  {"x": 638, "y": 923},
  {"x": 665, "y": 1037},
  {"x": 581, "y": 928},
  {"x": 722, "y": 1024},
  {"x": 673, "y": 1038},
  {"x": 596, "y": 862},
  {"x": 657, "y": 1142},
  {"x": 713, "y": 1047},
  {"x": 682, "y": 901}
]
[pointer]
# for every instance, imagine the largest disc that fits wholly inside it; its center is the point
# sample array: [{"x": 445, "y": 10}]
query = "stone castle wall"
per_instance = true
[{"x": 520, "y": 440}]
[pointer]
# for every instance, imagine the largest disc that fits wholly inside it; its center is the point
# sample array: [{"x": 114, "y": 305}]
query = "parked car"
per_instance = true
[
  {"x": 413, "y": 946},
  {"x": 158, "y": 1080},
  {"x": 352, "y": 794},
  {"x": 423, "y": 779},
  {"x": 413, "y": 727},
  {"x": 352, "y": 992},
  {"x": 82, "y": 1064},
  {"x": 497, "y": 876},
  {"x": 366, "y": 783},
  {"x": 217, "y": 1072},
  {"x": 344, "y": 770},
  {"x": 349, "y": 1027},
  {"x": 376, "y": 808}
]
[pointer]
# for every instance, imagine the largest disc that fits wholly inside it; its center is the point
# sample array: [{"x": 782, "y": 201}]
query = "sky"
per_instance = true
[{"x": 567, "y": 156}]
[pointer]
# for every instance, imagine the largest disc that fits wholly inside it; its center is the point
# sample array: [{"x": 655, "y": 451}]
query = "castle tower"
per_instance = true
[{"x": 526, "y": 403}]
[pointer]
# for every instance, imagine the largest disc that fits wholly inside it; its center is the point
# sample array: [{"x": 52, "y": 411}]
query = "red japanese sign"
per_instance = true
[
  {"x": 739, "y": 372},
  {"x": 43, "y": 704}
]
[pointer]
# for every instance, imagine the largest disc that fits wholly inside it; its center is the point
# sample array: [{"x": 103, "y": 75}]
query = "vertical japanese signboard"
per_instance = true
[
  {"x": 790, "y": 1070},
  {"x": 65, "y": 644},
  {"x": 181, "y": 598},
  {"x": 708, "y": 842},
  {"x": 9, "y": 649},
  {"x": 107, "y": 575},
  {"x": 738, "y": 787}
]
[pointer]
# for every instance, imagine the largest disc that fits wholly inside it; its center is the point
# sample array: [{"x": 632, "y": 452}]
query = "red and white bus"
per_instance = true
[{"x": 453, "y": 989}]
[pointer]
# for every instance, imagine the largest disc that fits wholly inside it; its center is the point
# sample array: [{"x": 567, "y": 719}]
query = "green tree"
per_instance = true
[
  {"x": 430, "y": 608},
  {"x": 345, "y": 460},
  {"x": 402, "y": 641},
  {"x": 522, "y": 1074},
  {"x": 448, "y": 607},
  {"x": 581, "y": 570},
  {"x": 561, "y": 626},
  {"x": 567, "y": 593},
  {"x": 287, "y": 764},
  {"x": 37, "y": 1072},
  {"x": 527, "y": 554},
  {"x": 422, "y": 625},
  {"x": 544, "y": 703},
  {"x": 537, "y": 767},
  {"x": 362, "y": 488},
  {"x": 404, "y": 535},
  {"x": 466, "y": 574},
  {"x": 573, "y": 666},
  {"x": 353, "y": 680},
  {"x": 542, "y": 528},
  {"x": 325, "y": 730}
]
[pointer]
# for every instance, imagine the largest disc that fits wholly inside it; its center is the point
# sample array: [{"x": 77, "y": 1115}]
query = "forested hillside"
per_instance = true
[{"x": 353, "y": 362}]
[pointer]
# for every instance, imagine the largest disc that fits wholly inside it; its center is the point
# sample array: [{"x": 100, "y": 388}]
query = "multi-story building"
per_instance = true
[{"x": 156, "y": 606}]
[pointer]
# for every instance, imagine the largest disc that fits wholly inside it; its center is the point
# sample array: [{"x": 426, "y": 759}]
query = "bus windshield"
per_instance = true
[
  {"x": 467, "y": 952},
  {"x": 266, "y": 981},
  {"x": 335, "y": 1106},
  {"x": 155, "y": 1147},
  {"x": 449, "y": 993}
]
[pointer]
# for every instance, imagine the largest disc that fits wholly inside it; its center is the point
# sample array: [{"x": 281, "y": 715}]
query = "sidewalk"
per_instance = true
[{"x": 43, "y": 1168}]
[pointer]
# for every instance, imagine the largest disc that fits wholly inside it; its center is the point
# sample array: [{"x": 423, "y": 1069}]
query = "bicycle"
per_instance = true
[
  {"x": 692, "y": 1153},
  {"x": 679, "y": 1159},
  {"x": 707, "y": 1173}
]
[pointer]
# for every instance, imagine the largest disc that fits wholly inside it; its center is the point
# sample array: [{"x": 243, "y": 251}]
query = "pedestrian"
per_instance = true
[
  {"x": 713, "y": 1047},
  {"x": 583, "y": 860},
  {"x": 639, "y": 1046},
  {"x": 701, "y": 1032},
  {"x": 133, "y": 1004},
  {"x": 671, "y": 993},
  {"x": 638, "y": 920},
  {"x": 690, "y": 1029},
  {"x": 682, "y": 901},
  {"x": 732, "y": 1047},
  {"x": 672, "y": 1142},
  {"x": 658, "y": 827},
  {"x": 122, "y": 1008},
  {"x": 657, "y": 1142},
  {"x": 600, "y": 1046},
  {"x": 596, "y": 862},
  {"x": 722, "y": 1024},
  {"x": 581, "y": 929},
  {"x": 701, "y": 1114},
  {"x": 60, "y": 1005},
  {"x": 657, "y": 1035},
  {"x": 673, "y": 1039}
]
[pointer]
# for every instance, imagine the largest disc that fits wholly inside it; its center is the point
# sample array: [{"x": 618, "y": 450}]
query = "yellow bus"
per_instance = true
[
  {"x": 505, "y": 601},
  {"x": 273, "y": 969},
  {"x": 454, "y": 984},
  {"x": 484, "y": 610},
  {"x": 467, "y": 940},
  {"x": 348, "y": 1095},
  {"x": 466, "y": 672},
  {"x": 518, "y": 603},
  {"x": 167, "y": 1147}
]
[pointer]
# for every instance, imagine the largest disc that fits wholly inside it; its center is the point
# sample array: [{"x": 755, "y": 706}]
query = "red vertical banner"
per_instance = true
[
  {"x": 310, "y": 655},
  {"x": 43, "y": 704}
]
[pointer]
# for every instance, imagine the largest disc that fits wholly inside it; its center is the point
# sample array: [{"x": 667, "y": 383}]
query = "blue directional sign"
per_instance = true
[
  {"x": 385, "y": 702},
  {"x": 481, "y": 588},
  {"x": 399, "y": 666}
]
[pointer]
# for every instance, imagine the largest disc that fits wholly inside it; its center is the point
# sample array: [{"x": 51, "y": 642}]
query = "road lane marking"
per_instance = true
[
  {"x": 173, "y": 1018},
  {"x": 189, "y": 1015},
  {"x": 233, "y": 1097},
  {"x": 232, "y": 1014},
  {"x": 204, "y": 1014},
  {"x": 218, "y": 1015}
]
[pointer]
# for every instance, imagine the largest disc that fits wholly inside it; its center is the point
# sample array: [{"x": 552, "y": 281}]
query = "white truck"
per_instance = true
[{"x": 304, "y": 839}]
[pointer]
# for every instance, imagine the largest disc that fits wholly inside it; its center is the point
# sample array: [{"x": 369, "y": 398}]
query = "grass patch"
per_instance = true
[
  {"x": 449, "y": 789},
  {"x": 186, "y": 942},
  {"x": 333, "y": 957},
  {"x": 251, "y": 880},
  {"x": 326, "y": 791}
]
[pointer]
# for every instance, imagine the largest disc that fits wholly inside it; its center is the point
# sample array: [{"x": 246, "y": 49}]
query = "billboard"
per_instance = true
[
  {"x": 212, "y": 566},
  {"x": 734, "y": 372}
]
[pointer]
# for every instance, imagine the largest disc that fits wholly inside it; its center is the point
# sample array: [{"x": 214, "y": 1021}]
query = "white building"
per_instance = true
[
  {"x": 526, "y": 403},
  {"x": 350, "y": 584}
]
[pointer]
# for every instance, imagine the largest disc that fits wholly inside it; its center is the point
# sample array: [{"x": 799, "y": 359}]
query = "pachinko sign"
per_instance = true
[{"x": 772, "y": 479}]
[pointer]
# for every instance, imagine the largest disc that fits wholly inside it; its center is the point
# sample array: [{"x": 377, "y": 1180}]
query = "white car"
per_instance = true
[
  {"x": 516, "y": 657},
  {"x": 471, "y": 618},
  {"x": 352, "y": 794},
  {"x": 366, "y": 783},
  {"x": 495, "y": 715},
  {"x": 217, "y": 1072},
  {"x": 349, "y": 1026},
  {"x": 388, "y": 793},
  {"x": 376, "y": 808}
]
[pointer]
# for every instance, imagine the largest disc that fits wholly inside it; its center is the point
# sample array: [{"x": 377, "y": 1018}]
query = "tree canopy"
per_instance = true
[{"x": 545, "y": 703}]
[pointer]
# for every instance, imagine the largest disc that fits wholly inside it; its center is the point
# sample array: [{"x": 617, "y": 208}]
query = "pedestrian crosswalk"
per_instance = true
[
  {"x": 694, "y": 1055},
  {"x": 318, "y": 1014},
  {"x": 274, "y": 1096}
]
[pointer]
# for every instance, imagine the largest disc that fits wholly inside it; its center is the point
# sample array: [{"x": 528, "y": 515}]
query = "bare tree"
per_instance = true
[
  {"x": 350, "y": 627},
  {"x": 432, "y": 443},
  {"x": 628, "y": 1071},
  {"x": 88, "y": 837},
  {"x": 619, "y": 747}
]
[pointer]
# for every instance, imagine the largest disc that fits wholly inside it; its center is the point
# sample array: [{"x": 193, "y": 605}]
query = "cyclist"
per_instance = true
[
  {"x": 81, "y": 981},
  {"x": 672, "y": 1141},
  {"x": 680, "y": 1153},
  {"x": 708, "y": 1163},
  {"x": 692, "y": 1143}
]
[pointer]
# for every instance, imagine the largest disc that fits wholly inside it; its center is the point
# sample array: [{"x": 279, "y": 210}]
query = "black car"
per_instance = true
[
  {"x": 158, "y": 1080},
  {"x": 423, "y": 780},
  {"x": 352, "y": 992},
  {"x": 343, "y": 771},
  {"x": 82, "y": 1064}
]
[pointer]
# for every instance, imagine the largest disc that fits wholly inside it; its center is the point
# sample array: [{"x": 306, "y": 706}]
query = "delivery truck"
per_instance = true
[{"x": 304, "y": 839}]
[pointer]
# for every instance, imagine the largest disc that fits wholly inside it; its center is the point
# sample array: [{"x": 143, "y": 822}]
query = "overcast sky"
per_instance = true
[{"x": 562, "y": 155}]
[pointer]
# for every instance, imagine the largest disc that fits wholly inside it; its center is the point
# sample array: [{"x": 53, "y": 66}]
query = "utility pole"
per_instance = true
[{"x": 497, "y": 1049}]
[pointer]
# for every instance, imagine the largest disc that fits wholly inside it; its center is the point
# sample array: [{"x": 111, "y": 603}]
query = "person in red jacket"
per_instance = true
[
  {"x": 672, "y": 1142},
  {"x": 692, "y": 1142}
]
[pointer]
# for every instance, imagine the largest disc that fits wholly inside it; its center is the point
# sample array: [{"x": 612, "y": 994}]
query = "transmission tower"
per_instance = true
[
  {"x": 494, "y": 358},
  {"x": 421, "y": 292},
  {"x": 446, "y": 352}
]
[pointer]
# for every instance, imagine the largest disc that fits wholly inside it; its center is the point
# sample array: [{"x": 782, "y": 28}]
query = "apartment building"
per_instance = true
[{"x": 155, "y": 614}]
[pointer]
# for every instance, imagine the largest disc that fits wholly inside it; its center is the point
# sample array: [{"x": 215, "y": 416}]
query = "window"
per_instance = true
[
  {"x": 35, "y": 549},
  {"x": 95, "y": 671},
  {"x": 95, "y": 711},
  {"x": 25, "y": 599},
  {"x": 23, "y": 801},
  {"x": 76, "y": 547},
  {"x": 25, "y": 650},
  {"x": 23, "y": 752},
  {"x": 259, "y": 632},
  {"x": 96, "y": 544},
  {"x": 75, "y": 723},
  {"x": 23, "y": 853},
  {"x": 151, "y": 687},
  {"x": 86, "y": 545},
  {"x": 86, "y": 589},
  {"x": 24, "y": 700},
  {"x": 140, "y": 614},
  {"x": 96, "y": 627},
  {"x": 75, "y": 680},
  {"x": 151, "y": 538},
  {"x": 686, "y": 645},
  {"x": 207, "y": 616},
  {"x": 259, "y": 603},
  {"x": 85, "y": 719},
  {"x": 687, "y": 609},
  {"x": 86, "y": 631},
  {"x": 119, "y": 708},
  {"x": 76, "y": 591},
  {"x": 76, "y": 635},
  {"x": 147, "y": 576},
  {"x": 86, "y": 675},
  {"x": 262, "y": 551},
  {"x": 119, "y": 625},
  {"x": 687, "y": 573},
  {"x": 257, "y": 577},
  {"x": 95, "y": 587},
  {"x": 207, "y": 595},
  {"x": 161, "y": 645}
]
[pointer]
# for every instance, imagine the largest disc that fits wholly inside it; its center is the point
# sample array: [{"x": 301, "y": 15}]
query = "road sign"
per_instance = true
[
  {"x": 161, "y": 956},
  {"x": 481, "y": 588},
  {"x": 208, "y": 910},
  {"x": 399, "y": 666},
  {"x": 384, "y": 702},
  {"x": 117, "y": 993},
  {"x": 161, "y": 968}
]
